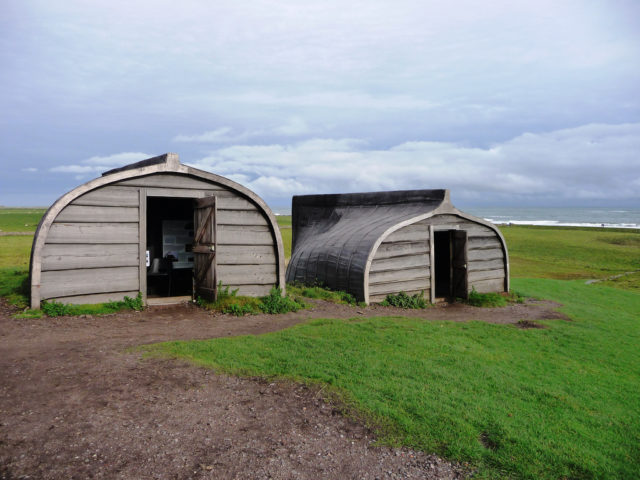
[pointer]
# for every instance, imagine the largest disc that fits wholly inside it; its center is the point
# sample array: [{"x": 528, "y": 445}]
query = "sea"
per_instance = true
[
  {"x": 561, "y": 216},
  {"x": 549, "y": 216}
]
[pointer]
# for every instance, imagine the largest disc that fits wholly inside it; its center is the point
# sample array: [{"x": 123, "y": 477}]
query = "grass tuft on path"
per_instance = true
[{"x": 560, "y": 402}]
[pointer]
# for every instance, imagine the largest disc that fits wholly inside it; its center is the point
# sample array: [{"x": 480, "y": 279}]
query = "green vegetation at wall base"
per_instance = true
[
  {"x": 403, "y": 300},
  {"x": 322, "y": 293},
  {"x": 57, "y": 309},
  {"x": 493, "y": 299},
  {"x": 231, "y": 303}
]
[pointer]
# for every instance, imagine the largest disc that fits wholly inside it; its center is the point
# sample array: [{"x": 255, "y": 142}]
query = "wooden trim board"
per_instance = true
[{"x": 142, "y": 243}]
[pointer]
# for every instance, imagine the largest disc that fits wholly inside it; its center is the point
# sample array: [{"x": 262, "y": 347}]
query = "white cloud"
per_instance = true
[
  {"x": 294, "y": 126},
  {"x": 220, "y": 135},
  {"x": 76, "y": 168},
  {"x": 332, "y": 99},
  {"x": 99, "y": 164},
  {"x": 30, "y": 169},
  {"x": 275, "y": 186},
  {"x": 117, "y": 159},
  {"x": 589, "y": 162}
]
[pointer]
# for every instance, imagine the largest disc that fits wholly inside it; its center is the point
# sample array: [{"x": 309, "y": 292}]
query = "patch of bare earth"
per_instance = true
[{"x": 75, "y": 404}]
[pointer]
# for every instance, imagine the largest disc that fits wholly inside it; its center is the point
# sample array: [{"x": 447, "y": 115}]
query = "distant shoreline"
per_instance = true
[{"x": 542, "y": 224}]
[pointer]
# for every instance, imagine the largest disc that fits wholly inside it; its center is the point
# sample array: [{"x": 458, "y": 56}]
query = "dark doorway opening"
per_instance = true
[
  {"x": 450, "y": 263},
  {"x": 169, "y": 247},
  {"x": 442, "y": 258}
]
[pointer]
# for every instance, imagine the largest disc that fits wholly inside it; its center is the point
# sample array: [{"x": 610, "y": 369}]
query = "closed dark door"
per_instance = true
[
  {"x": 459, "y": 263},
  {"x": 204, "y": 249}
]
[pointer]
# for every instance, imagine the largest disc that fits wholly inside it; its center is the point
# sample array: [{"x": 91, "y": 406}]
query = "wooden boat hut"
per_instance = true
[
  {"x": 156, "y": 227},
  {"x": 374, "y": 244}
]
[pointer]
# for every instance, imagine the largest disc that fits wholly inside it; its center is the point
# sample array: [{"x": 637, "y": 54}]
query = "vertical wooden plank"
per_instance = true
[
  {"x": 142, "y": 239},
  {"x": 432, "y": 266},
  {"x": 204, "y": 247},
  {"x": 214, "y": 266}
]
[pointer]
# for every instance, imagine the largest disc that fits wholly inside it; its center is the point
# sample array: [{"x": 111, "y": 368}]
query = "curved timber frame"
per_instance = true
[
  {"x": 164, "y": 164},
  {"x": 372, "y": 244}
]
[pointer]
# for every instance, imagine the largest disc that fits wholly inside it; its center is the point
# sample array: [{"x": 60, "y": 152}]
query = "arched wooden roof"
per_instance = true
[
  {"x": 167, "y": 163},
  {"x": 336, "y": 236}
]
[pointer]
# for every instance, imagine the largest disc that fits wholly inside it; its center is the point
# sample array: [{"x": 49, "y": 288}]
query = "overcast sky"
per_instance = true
[{"x": 504, "y": 102}]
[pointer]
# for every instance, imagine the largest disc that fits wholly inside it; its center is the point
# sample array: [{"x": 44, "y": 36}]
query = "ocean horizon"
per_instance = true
[{"x": 549, "y": 216}]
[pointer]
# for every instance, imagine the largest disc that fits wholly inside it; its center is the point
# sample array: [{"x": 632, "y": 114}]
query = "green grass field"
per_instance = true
[
  {"x": 284, "y": 222},
  {"x": 20, "y": 219},
  {"x": 568, "y": 253},
  {"x": 560, "y": 402},
  {"x": 15, "y": 251}
]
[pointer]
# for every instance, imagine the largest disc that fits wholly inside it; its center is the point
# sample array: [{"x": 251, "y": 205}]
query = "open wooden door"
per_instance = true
[
  {"x": 459, "y": 264},
  {"x": 205, "y": 282}
]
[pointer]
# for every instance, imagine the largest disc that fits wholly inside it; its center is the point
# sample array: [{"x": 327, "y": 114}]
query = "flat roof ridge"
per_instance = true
[
  {"x": 172, "y": 160},
  {"x": 432, "y": 196}
]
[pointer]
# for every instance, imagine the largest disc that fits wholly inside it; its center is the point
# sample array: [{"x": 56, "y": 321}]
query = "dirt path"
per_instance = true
[{"x": 75, "y": 404}]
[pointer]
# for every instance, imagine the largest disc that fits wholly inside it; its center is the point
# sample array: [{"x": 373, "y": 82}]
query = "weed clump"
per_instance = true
[
  {"x": 323, "y": 293},
  {"x": 276, "y": 303},
  {"x": 403, "y": 300},
  {"x": 56, "y": 309},
  {"x": 516, "y": 297},
  {"x": 477, "y": 299},
  {"x": 329, "y": 295},
  {"x": 231, "y": 303},
  {"x": 130, "y": 303}
]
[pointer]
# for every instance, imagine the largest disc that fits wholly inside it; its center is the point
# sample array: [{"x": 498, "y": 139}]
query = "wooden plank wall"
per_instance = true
[
  {"x": 402, "y": 263},
  {"x": 92, "y": 253}
]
